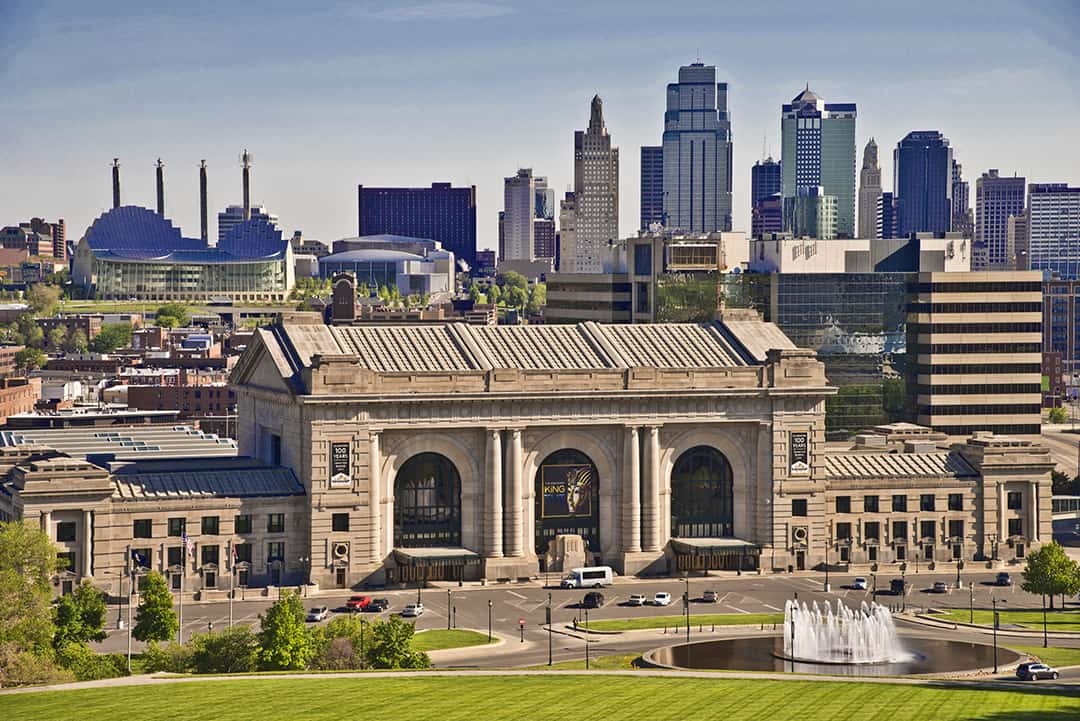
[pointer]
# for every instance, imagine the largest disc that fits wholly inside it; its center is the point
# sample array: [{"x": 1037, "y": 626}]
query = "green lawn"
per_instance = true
[
  {"x": 1055, "y": 620},
  {"x": 1053, "y": 656},
  {"x": 611, "y": 662},
  {"x": 704, "y": 619},
  {"x": 438, "y": 639},
  {"x": 538, "y": 698}
]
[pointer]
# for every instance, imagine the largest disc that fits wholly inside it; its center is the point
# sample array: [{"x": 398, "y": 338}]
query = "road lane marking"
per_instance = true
[
  {"x": 515, "y": 593},
  {"x": 769, "y": 605}
]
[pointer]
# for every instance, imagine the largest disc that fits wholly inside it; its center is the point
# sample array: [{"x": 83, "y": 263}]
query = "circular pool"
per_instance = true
[{"x": 766, "y": 653}]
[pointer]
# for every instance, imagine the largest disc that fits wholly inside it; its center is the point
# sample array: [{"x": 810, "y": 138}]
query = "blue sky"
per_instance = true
[{"x": 331, "y": 94}]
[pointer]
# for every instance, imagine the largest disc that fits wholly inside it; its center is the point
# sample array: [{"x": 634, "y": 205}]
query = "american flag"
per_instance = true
[{"x": 189, "y": 544}]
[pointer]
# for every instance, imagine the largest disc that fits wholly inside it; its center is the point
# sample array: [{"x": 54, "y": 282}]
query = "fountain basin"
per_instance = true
[{"x": 766, "y": 653}]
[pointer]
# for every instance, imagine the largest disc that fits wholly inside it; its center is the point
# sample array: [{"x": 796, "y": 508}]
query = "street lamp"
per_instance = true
[
  {"x": 994, "y": 602},
  {"x": 971, "y": 603},
  {"x": 548, "y": 616},
  {"x": 305, "y": 561},
  {"x": 586, "y": 637},
  {"x": 489, "y": 620},
  {"x": 449, "y": 605},
  {"x": 828, "y": 542},
  {"x": 903, "y": 583},
  {"x": 959, "y": 568},
  {"x": 873, "y": 594},
  {"x": 210, "y": 627},
  {"x": 686, "y": 606}
]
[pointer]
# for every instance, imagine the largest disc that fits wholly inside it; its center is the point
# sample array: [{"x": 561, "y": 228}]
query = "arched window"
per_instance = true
[
  {"x": 702, "y": 495},
  {"x": 427, "y": 503},
  {"x": 567, "y": 499}
]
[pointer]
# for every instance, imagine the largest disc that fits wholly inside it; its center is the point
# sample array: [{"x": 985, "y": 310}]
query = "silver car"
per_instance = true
[{"x": 318, "y": 613}]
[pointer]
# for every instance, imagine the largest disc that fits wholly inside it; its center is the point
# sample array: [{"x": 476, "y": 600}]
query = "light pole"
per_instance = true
[
  {"x": 548, "y": 616},
  {"x": 1045, "y": 643},
  {"x": 994, "y": 602},
  {"x": 873, "y": 594},
  {"x": 828, "y": 542},
  {"x": 971, "y": 603},
  {"x": 586, "y": 637},
  {"x": 959, "y": 568},
  {"x": 686, "y": 606},
  {"x": 363, "y": 662},
  {"x": 903, "y": 583},
  {"x": 489, "y": 620},
  {"x": 449, "y": 605},
  {"x": 306, "y": 561}
]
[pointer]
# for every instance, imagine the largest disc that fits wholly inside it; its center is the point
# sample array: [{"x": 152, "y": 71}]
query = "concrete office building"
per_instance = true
[
  {"x": 888, "y": 222},
  {"x": 819, "y": 150},
  {"x": 1053, "y": 230},
  {"x": 869, "y": 191},
  {"x": 234, "y": 215},
  {"x": 922, "y": 183},
  {"x": 815, "y": 214},
  {"x": 765, "y": 215},
  {"x": 516, "y": 219},
  {"x": 1061, "y": 322},
  {"x": 997, "y": 199},
  {"x": 963, "y": 221},
  {"x": 441, "y": 212},
  {"x": 974, "y": 352},
  {"x": 544, "y": 238},
  {"x": 652, "y": 186},
  {"x": 596, "y": 197},
  {"x": 697, "y": 152}
]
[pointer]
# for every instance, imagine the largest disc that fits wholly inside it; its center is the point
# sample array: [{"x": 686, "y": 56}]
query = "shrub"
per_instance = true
[
  {"x": 391, "y": 646},
  {"x": 339, "y": 644},
  {"x": 338, "y": 654},
  {"x": 234, "y": 650},
  {"x": 172, "y": 658},
  {"x": 86, "y": 665},
  {"x": 22, "y": 668}
]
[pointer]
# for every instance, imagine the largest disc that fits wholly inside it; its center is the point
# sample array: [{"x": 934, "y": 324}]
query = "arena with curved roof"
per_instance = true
[{"x": 132, "y": 252}]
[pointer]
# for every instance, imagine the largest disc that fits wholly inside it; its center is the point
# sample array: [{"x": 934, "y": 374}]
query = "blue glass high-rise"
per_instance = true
[{"x": 922, "y": 182}]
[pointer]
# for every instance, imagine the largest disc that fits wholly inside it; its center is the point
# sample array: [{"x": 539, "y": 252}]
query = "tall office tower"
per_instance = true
[
  {"x": 815, "y": 214},
  {"x": 545, "y": 198},
  {"x": 1018, "y": 241},
  {"x": 764, "y": 180},
  {"x": 886, "y": 224},
  {"x": 652, "y": 185},
  {"x": 996, "y": 198},
  {"x": 869, "y": 190},
  {"x": 57, "y": 231},
  {"x": 519, "y": 209},
  {"x": 962, "y": 220},
  {"x": 767, "y": 216},
  {"x": 596, "y": 192},
  {"x": 234, "y": 214},
  {"x": 543, "y": 238},
  {"x": 567, "y": 229},
  {"x": 1054, "y": 229},
  {"x": 502, "y": 233},
  {"x": 697, "y": 152},
  {"x": 441, "y": 213},
  {"x": 922, "y": 183},
  {"x": 819, "y": 150}
]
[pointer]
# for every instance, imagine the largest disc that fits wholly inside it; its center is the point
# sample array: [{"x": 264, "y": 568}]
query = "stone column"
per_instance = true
[
  {"x": 1034, "y": 515},
  {"x": 374, "y": 498},
  {"x": 631, "y": 502},
  {"x": 46, "y": 523},
  {"x": 87, "y": 543},
  {"x": 1002, "y": 525},
  {"x": 514, "y": 543},
  {"x": 650, "y": 540},
  {"x": 493, "y": 529}
]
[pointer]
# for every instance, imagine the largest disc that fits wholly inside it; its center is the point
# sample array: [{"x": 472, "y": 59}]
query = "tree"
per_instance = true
[
  {"x": 511, "y": 279},
  {"x": 80, "y": 616},
  {"x": 284, "y": 640},
  {"x": 1058, "y": 415},
  {"x": 517, "y": 298},
  {"x": 155, "y": 618},
  {"x": 111, "y": 337},
  {"x": 1061, "y": 484},
  {"x": 43, "y": 299},
  {"x": 1050, "y": 571},
  {"x": 339, "y": 644},
  {"x": 76, "y": 342},
  {"x": 494, "y": 294},
  {"x": 234, "y": 650},
  {"x": 30, "y": 359},
  {"x": 537, "y": 299},
  {"x": 179, "y": 314},
  {"x": 57, "y": 336},
  {"x": 391, "y": 646},
  {"x": 27, "y": 564}
]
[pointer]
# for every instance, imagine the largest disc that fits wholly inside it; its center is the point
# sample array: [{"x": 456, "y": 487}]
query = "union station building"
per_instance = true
[{"x": 372, "y": 454}]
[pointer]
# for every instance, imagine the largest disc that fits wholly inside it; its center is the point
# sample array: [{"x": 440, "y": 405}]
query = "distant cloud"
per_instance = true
[{"x": 450, "y": 10}]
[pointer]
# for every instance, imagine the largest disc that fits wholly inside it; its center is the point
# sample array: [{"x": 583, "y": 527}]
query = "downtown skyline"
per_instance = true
[{"x": 460, "y": 115}]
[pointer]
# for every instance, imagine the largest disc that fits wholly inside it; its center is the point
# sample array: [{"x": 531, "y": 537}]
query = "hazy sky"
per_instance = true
[{"x": 331, "y": 94}]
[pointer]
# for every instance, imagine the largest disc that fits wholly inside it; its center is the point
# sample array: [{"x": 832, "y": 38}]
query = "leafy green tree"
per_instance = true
[
  {"x": 494, "y": 294},
  {"x": 179, "y": 314},
  {"x": 391, "y": 646},
  {"x": 27, "y": 564},
  {"x": 56, "y": 337},
  {"x": 517, "y": 298},
  {"x": 111, "y": 337},
  {"x": 284, "y": 640},
  {"x": 30, "y": 359},
  {"x": 1058, "y": 415},
  {"x": 537, "y": 299},
  {"x": 172, "y": 658},
  {"x": 155, "y": 618},
  {"x": 340, "y": 643},
  {"x": 234, "y": 650},
  {"x": 43, "y": 299},
  {"x": 87, "y": 665},
  {"x": 1061, "y": 484},
  {"x": 76, "y": 342},
  {"x": 511, "y": 279},
  {"x": 80, "y": 616},
  {"x": 1050, "y": 571}
]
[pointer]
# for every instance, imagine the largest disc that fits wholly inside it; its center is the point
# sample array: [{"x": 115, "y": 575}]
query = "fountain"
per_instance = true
[{"x": 821, "y": 635}]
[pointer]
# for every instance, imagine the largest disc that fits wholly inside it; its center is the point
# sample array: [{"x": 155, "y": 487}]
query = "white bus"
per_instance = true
[{"x": 590, "y": 577}]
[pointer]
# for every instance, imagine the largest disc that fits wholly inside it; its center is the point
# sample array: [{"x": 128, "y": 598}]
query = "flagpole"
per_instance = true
[
  {"x": 232, "y": 583},
  {"x": 131, "y": 584},
  {"x": 180, "y": 628}
]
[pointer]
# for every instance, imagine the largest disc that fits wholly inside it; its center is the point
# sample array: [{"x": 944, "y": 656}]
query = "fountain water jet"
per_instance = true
[{"x": 822, "y": 635}]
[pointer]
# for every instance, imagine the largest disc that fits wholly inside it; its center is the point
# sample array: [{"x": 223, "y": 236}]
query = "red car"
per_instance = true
[{"x": 358, "y": 603}]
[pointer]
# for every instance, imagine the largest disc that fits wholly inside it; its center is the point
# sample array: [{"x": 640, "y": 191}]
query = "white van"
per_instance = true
[{"x": 590, "y": 577}]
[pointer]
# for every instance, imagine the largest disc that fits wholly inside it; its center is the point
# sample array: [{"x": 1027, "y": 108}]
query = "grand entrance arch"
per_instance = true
[
  {"x": 567, "y": 499},
  {"x": 427, "y": 503},
  {"x": 702, "y": 495}
]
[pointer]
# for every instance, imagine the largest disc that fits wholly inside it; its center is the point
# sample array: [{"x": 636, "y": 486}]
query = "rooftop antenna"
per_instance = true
[
  {"x": 116, "y": 182},
  {"x": 246, "y": 159},
  {"x": 202, "y": 200},
  {"x": 160, "y": 187},
  {"x": 763, "y": 156}
]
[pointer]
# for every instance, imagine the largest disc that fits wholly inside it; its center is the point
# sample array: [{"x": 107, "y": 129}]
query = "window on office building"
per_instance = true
[
  {"x": 870, "y": 504},
  {"x": 177, "y": 526},
  {"x": 798, "y": 506},
  {"x": 341, "y": 522},
  {"x": 899, "y": 504},
  {"x": 142, "y": 528},
  {"x": 843, "y": 504}
]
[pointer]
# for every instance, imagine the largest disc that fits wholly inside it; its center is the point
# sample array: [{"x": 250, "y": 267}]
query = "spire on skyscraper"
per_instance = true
[{"x": 596, "y": 116}]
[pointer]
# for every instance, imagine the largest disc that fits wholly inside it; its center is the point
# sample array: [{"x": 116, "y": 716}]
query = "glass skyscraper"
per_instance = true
[
  {"x": 652, "y": 185},
  {"x": 1054, "y": 229},
  {"x": 440, "y": 213},
  {"x": 996, "y": 199},
  {"x": 819, "y": 150},
  {"x": 697, "y": 152},
  {"x": 922, "y": 182}
]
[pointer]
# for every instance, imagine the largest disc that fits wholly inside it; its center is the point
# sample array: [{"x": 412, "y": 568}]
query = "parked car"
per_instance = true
[
  {"x": 318, "y": 613},
  {"x": 1034, "y": 671},
  {"x": 710, "y": 597},
  {"x": 662, "y": 599},
  {"x": 1003, "y": 579},
  {"x": 859, "y": 584},
  {"x": 636, "y": 599},
  {"x": 939, "y": 587},
  {"x": 412, "y": 610},
  {"x": 896, "y": 586},
  {"x": 378, "y": 604},
  {"x": 593, "y": 599},
  {"x": 358, "y": 603}
]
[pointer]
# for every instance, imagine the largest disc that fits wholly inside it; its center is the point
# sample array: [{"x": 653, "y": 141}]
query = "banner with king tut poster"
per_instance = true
[{"x": 567, "y": 490}]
